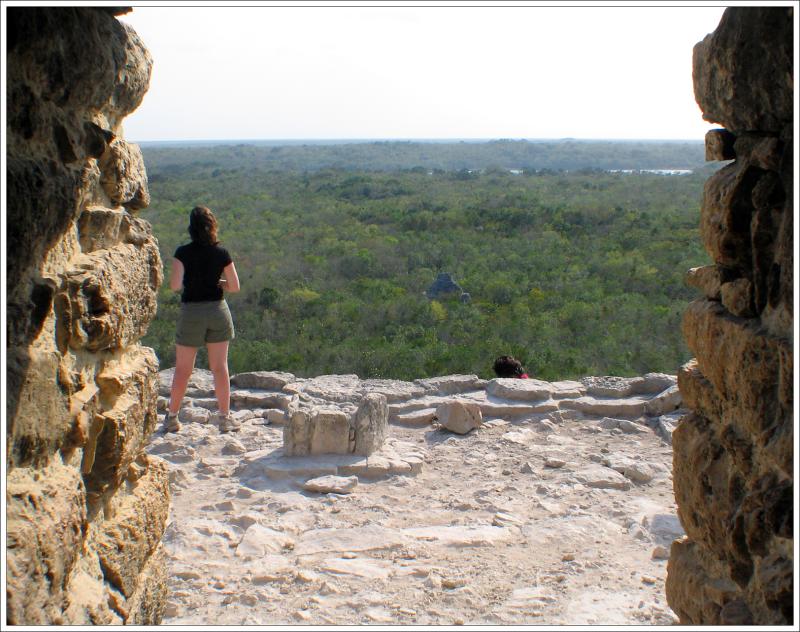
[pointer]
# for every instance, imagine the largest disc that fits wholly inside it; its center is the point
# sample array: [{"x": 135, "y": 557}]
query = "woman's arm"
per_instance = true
[
  {"x": 176, "y": 276},
  {"x": 231, "y": 278}
]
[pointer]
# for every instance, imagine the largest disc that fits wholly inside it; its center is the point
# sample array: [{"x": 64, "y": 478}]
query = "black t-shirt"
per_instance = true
[{"x": 202, "y": 269}]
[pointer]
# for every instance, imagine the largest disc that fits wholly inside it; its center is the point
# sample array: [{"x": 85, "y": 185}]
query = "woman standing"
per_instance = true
[{"x": 204, "y": 270}]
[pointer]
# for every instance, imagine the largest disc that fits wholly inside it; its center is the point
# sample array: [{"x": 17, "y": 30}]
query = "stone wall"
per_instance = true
[
  {"x": 86, "y": 507},
  {"x": 733, "y": 455}
]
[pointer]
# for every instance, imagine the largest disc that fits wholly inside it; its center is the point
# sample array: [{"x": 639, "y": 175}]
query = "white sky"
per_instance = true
[{"x": 420, "y": 72}]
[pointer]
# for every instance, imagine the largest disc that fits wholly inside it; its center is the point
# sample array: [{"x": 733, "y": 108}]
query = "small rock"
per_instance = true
[
  {"x": 505, "y": 519},
  {"x": 526, "y": 468},
  {"x": 660, "y": 553},
  {"x": 630, "y": 427},
  {"x": 244, "y": 492},
  {"x": 434, "y": 582},
  {"x": 459, "y": 417},
  {"x": 453, "y": 582},
  {"x": 302, "y": 615},
  {"x": 232, "y": 446},
  {"x": 569, "y": 557},
  {"x": 305, "y": 576},
  {"x": 646, "y": 579},
  {"x": 248, "y": 600},
  {"x": 554, "y": 462},
  {"x": 328, "y": 589}
]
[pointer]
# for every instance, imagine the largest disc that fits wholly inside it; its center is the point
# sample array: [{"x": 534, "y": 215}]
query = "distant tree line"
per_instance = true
[{"x": 577, "y": 273}]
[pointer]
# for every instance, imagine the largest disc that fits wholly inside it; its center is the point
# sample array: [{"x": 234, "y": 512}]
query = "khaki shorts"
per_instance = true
[{"x": 203, "y": 322}]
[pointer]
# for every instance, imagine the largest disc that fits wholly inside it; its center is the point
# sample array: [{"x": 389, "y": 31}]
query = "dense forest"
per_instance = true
[
  {"x": 165, "y": 159},
  {"x": 575, "y": 272}
]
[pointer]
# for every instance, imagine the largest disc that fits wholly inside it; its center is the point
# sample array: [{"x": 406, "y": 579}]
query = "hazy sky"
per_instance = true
[{"x": 420, "y": 72}]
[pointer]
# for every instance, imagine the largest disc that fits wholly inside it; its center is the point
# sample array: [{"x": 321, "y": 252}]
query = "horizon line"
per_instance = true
[{"x": 414, "y": 138}]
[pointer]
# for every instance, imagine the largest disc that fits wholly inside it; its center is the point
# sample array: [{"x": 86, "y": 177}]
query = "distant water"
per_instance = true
[
  {"x": 286, "y": 142},
  {"x": 662, "y": 172}
]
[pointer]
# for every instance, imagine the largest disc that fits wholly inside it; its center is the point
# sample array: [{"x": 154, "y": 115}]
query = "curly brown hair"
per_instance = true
[
  {"x": 508, "y": 366},
  {"x": 203, "y": 226}
]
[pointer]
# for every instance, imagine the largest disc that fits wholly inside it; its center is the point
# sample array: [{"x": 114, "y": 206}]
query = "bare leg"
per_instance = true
[
  {"x": 218, "y": 362},
  {"x": 184, "y": 363}
]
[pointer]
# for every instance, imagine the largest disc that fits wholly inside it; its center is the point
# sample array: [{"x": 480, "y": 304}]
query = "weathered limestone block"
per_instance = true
[
  {"x": 629, "y": 407},
  {"x": 393, "y": 390},
  {"x": 459, "y": 417},
  {"x": 739, "y": 519},
  {"x": 331, "y": 484},
  {"x": 264, "y": 380},
  {"x": 125, "y": 426},
  {"x": 251, "y": 399},
  {"x": 309, "y": 430},
  {"x": 611, "y": 385},
  {"x": 765, "y": 152},
  {"x": 726, "y": 214},
  {"x": 38, "y": 421},
  {"x": 327, "y": 430},
  {"x": 702, "y": 598},
  {"x": 331, "y": 388},
  {"x": 146, "y": 605},
  {"x": 100, "y": 228},
  {"x": 737, "y": 297},
  {"x": 123, "y": 176},
  {"x": 668, "y": 400},
  {"x": 742, "y": 71},
  {"x": 125, "y": 542},
  {"x": 706, "y": 481},
  {"x": 719, "y": 145},
  {"x": 370, "y": 424},
  {"x": 46, "y": 523},
  {"x": 741, "y": 363},
  {"x": 112, "y": 297},
  {"x": 82, "y": 281},
  {"x": 513, "y": 388},
  {"x": 450, "y": 384},
  {"x": 709, "y": 280}
]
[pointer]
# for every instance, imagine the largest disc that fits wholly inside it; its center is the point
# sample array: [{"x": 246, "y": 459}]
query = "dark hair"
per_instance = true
[
  {"x": 508, "y": 366},
  {"x": 203, "y": 226}
]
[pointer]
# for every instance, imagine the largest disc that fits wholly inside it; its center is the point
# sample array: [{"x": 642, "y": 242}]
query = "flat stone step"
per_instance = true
[{"x": 628, "y": 407}]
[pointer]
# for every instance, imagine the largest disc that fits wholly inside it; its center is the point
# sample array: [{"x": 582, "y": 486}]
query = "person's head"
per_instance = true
[
  {"x": 203, "y": 226},
  {"x": 508, "y": 366}
]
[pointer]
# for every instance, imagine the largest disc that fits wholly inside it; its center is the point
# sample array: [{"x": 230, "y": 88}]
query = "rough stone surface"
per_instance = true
[
  {"x": 86, "y": 508},
  {"x": 743, "y": 70},
  {"x": 328, "y": 430},
  {"x": 370, "y": 424},
  {"x": 529, "y": 519},
  {"x": 331, "y": 484},
  {"x": 513, "y": 388},
  {"x": 719, "y": 145},
  {"x": 266, "y": 380},
  {"x": 733, "y": 454}
]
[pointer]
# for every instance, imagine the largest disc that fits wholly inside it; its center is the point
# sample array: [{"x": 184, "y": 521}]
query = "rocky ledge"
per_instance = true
[{"x": 555, "y": 507}]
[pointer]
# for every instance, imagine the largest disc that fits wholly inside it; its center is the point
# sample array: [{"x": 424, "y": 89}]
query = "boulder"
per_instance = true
[{"x": 459, "y": 417}]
